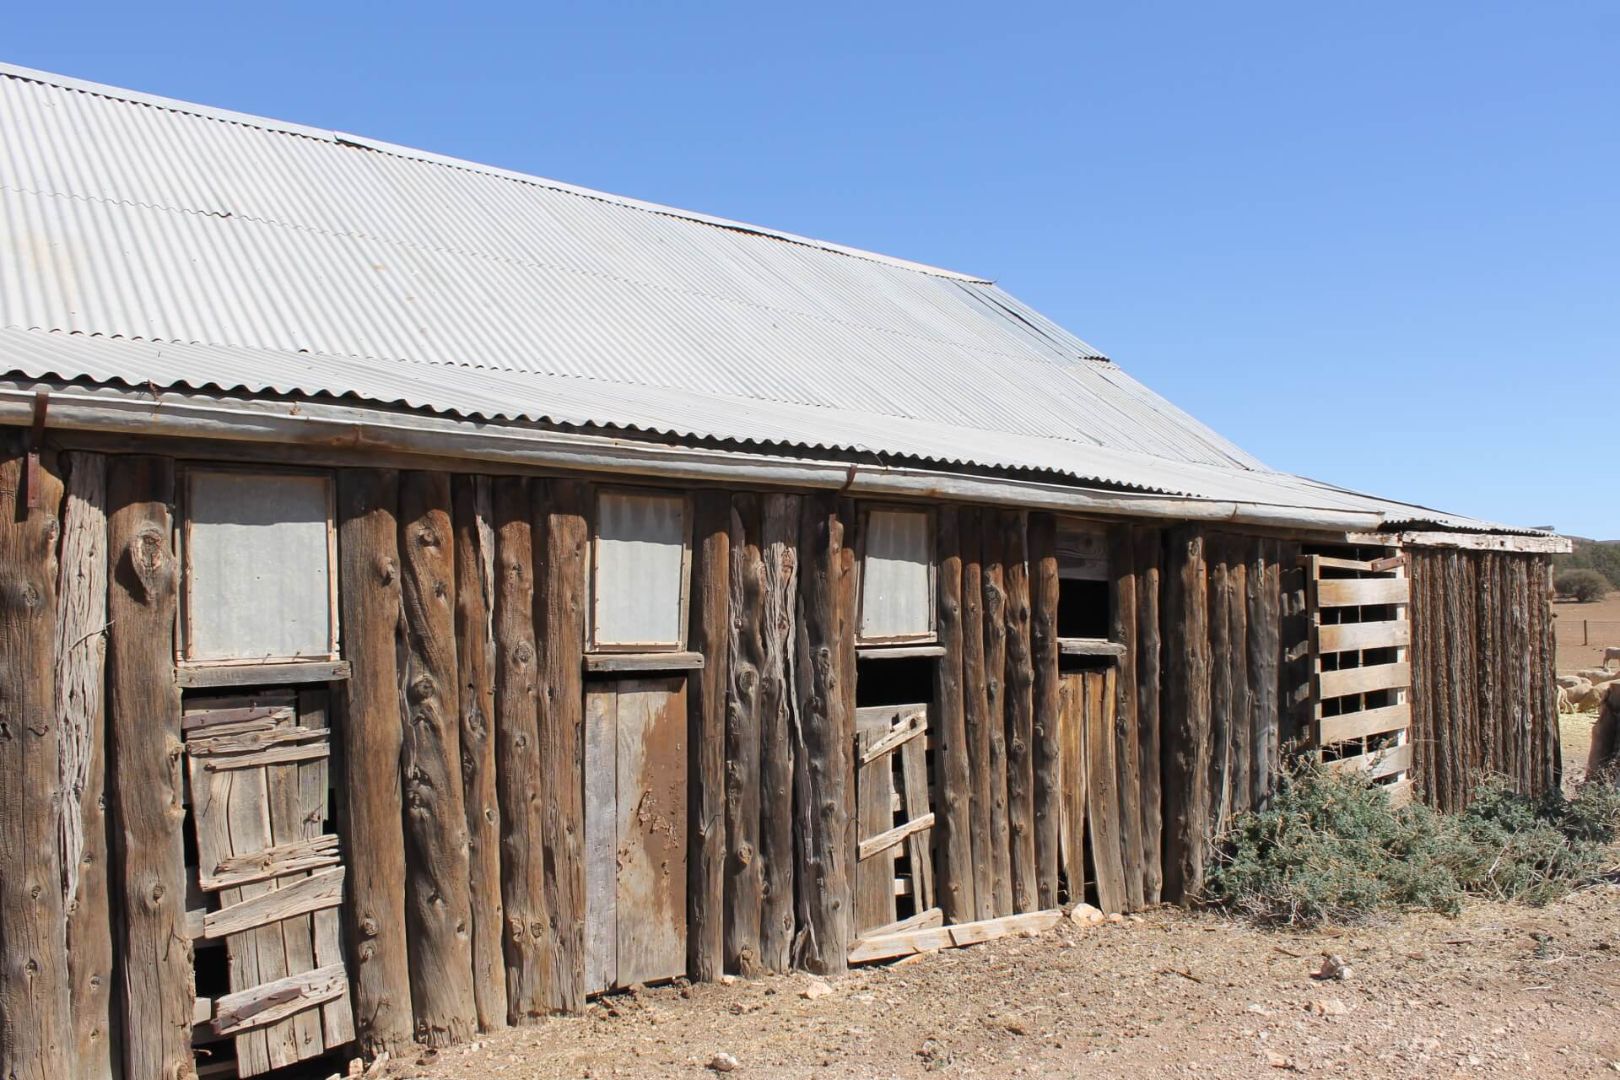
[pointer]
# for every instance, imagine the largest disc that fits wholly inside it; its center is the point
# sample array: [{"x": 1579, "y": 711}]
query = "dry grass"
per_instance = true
[{"x": 1603, "y": 619}]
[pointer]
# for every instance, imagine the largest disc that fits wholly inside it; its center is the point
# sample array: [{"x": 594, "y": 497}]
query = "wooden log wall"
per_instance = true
[{"x": 1484, "y": 694}]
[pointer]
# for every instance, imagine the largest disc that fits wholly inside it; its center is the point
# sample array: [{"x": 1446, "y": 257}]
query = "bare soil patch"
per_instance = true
[{"x": 1502, "y": 991}]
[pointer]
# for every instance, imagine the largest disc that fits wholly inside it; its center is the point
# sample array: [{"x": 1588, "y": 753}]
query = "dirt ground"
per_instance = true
[
  {"x": 1603, "y": 628},
  {"x": 1502, "y": 991}
]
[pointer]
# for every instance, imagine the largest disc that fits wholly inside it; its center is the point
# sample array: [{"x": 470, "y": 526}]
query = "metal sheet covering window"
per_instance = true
[
  {"x": 897, "y": 576},
  {"x": 639, "y": 571},
  {"x": 259, "y": 550}
]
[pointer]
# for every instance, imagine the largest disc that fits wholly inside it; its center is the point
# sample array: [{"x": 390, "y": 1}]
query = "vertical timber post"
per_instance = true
[
  {"x": 706, "y": 741},
  {"x": 1043, "y": 565}
]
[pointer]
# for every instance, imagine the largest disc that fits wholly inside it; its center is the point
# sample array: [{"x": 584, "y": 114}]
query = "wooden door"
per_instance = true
[
  {"x": 892, "y": 815},
  {"x": 270, "y": 875},
  {"x": 635, "y": 832}
]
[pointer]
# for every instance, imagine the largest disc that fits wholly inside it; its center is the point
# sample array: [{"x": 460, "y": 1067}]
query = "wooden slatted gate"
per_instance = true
[
  {"x": 635, "y": 832},
  {"x": 268, "y": 877},
  {"x": 892, "y": 812},
  {"x": 1361, "y": 676},
  {"x": 1088, "y": 775}
]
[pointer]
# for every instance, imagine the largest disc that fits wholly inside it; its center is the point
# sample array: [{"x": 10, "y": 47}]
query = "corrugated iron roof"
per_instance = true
[{"x": 153, "y": 242}]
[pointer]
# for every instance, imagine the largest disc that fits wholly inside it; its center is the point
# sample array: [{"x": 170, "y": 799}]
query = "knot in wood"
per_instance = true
[
  {"x": 440, "y": 590},
  {"x": 387, "y": 571},
  {"x": 523, "y": 653},
  {"x": 158, "y": 892},
  {"x": 422, "y": 688},
  {"x": 427, "y": 536},
  {"x": 745, "y": 853}
]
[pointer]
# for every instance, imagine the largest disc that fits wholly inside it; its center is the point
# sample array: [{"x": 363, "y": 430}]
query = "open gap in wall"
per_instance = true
[{"x": 882, "y": 680}]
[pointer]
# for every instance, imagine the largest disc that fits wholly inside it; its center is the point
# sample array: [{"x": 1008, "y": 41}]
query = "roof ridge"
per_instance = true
[{"x": 285, "y": 127}]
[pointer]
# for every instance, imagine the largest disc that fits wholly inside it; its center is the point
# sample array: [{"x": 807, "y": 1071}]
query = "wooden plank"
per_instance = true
[
  {"x": 919, "y": 845},
  {"x": 281, "y": 673},
  {"x": 1378, "y": 763},
  {"x": 472, "y": 516},
  {"x": 875, "y": 796},
  {"x": 1020, "y": 713},
  {"x": 709, "y": 635},
  {"x": 438, "y": 904},
  {"x": 284, "y": 734},
  {"x": 1363, "y": 680},
  {"x": 975, "y": 710},
  {"x": 1090, "y": 647},
  {"x": 651, "y": 880},
  {"x": 899, "y": 652},
  {"x": 1127, "y": 740},
  {"x": 560, "y": 595},
  {"x": 1149, "y": 557},
  {"x": 995, "y": 671},
  {"x": 1359, "y": 725},
  {"x": 322, "y": 890},
  {"x": 37, "y": 1031},
  {"x": 1072, "y": 776},
  {"x": 519, "y": 773},
  {"x": 1346, "y": 637},
  {"x": 911, "y": 942},
  {"x": 297, "y": 856},
  {"x": 1361, "y": 592},
  {"x": 235, "y": 721},
  {"x": 143, "y": 709},
  {"x": 81, "y": 651},
  {"x": 601, "y": 836},
  {"x": 779, "y": 540},
  {"x": 632, "y": 663},
  {"x": 337, "y": 1015},
  {"x": 1185, "y": 716},
  {"x": 297, "y": 934},
  {"x": 877, "y": 845},
  {"x": 1045, "y": 748},
  {"x": 923, "y": 920},
  {"x": 745, "y": 660},
  {"x": 372, "y": 818},
  {"x": 900, "y": 725},
  {"x": 823, "y": 741},
  {"x": 280, "y": 755},
  {"x": 1102, "y": 792},
  {"x": 277, "y": 1000}
]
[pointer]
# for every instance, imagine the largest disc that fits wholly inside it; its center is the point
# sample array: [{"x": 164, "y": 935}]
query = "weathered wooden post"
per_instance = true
[{"x": 709, "y": 635}]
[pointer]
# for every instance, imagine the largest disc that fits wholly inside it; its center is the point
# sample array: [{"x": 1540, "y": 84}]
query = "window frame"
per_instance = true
[
  {"x": 183, "y": 643},
  {"x": 593, "y": 563},
  {"x": 931, "y": 635}
]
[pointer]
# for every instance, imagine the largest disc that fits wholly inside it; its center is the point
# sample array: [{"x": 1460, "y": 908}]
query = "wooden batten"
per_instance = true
[
  {"x": 143, "y": 716},
  {"x": 519, "y": 772},
  {"x": 1148, "y": 556},
  {"x": 1020, "y": 714},
  {"x": 475, "y": 659},
  {"x": 976, "y": 711},
  {"x": 438, "y": 908},
  {"x": 745, "y": 660},
  {"x": 995, "y": 687},
  {"x": 371, "y": 814},
  {"x": 1185, "y": 732},
  {"x": 37, "y": 1033},
  {"x": 563, "y": 540},
  {"x": 81, "y": 652},
  {"x": 1046, "y": 751},
  {"x": 823, "y": 742},
  {"x": 779, "y": 543},
  {"x": 709, "y": 636}
]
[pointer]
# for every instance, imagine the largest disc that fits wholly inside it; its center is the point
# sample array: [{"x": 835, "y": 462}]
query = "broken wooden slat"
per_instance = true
[
  {"x": 876, "y": 845},
  {"x": 910, "y": 723},
  {"x": 1361, "y": 592},
  {"x": 313, "y": 893},
  {"x": 919, "y": 845},
  {"x": 889, "y": 946},
  {"x": 251, "y": 717},
  {"x": 1090, "y": 647},
  {"x": 1378, "y": 763},
  {"x": 300, "y": 855},
  {"x": 1364, "y": 680},
  {"x": 274, "y": 1001},
  {"x": 251, "y": 741}
]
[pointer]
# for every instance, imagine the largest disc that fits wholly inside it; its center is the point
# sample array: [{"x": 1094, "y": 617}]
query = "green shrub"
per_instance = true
[
  {"x": 1584, "y": 585},
  {"x": 1332, "y": 849}
]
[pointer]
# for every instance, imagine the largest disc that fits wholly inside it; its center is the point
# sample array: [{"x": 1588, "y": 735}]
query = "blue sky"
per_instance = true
[{"x": 1377, "y": 244}]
